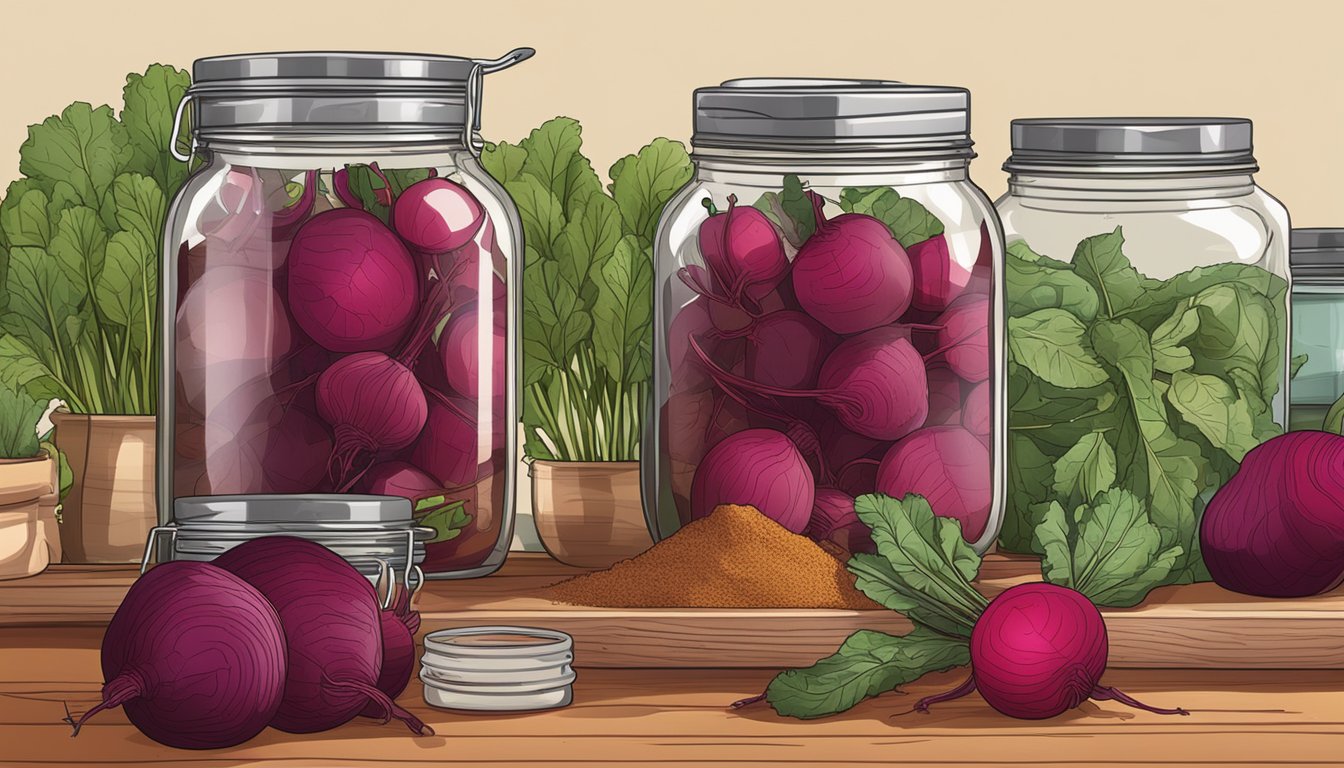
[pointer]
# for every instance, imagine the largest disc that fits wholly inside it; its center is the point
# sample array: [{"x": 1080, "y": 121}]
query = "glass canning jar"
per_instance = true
[
  {"x": 1317, "y": 261},
  {"x": 826, "y": 304},
  {"x": 328, "y": 264},
  {"x": 1147, "y": 301}
]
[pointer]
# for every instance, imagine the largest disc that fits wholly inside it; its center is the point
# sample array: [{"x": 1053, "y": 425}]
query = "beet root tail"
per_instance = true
[
  {"x": 390, "y": 708},
  {"x": 1106, "y": 693},
  {"x": 116, "y": 692},
  {"x": 922, "y": 706}
]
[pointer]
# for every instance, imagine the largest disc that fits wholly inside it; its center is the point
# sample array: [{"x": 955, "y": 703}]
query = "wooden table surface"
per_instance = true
[{"x": 671, "y": 717}]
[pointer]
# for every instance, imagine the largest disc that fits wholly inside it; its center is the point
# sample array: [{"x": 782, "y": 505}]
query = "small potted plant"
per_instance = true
[
  {"x": 27, "y": 488},
  {"x": 587, "y": 332},
  {"x": 79, "y": 309}
]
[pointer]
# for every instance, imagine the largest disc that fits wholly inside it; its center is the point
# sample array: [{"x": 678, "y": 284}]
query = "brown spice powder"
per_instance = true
[{"x": 735, "y": 557}]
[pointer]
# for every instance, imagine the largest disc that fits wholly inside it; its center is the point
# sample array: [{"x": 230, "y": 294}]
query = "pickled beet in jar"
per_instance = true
[
  {"x": 826, "y": 303},
  {"x": 342, "y": 274}
]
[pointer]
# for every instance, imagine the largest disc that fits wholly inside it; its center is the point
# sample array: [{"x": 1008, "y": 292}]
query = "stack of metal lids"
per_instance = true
[{"x": 371, "y": 532}]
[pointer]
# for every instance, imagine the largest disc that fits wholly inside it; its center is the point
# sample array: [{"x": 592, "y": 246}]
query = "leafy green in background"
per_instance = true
[
  {"x": 80, "y": 237},
  {"x": 587, "y": 287},
  {"x": 19, "y": 414},
  {"x": 1130, "y": 401}
]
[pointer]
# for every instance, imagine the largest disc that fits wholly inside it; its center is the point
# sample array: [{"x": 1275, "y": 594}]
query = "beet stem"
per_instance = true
[
  {"x": 922, "y": 706},
  {"x": 740, "y": 703},
  {"x": 1107, "y": 693},
  {"x": 389, "y": 707},
  {"x": 949, "y": 345},
  {"x": 818, "y": 202},
  {"x": 116, "y": 692}
]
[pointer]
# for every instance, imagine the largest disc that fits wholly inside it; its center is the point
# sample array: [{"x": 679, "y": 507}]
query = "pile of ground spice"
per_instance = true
[{"x": 735, "y": 557}]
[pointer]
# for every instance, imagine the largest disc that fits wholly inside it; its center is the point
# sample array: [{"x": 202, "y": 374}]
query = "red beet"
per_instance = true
[
  {"x": 761, "y": 468},
  {"x": 834, "y": 519},
  {"x": 330, "y": 616},
  {"x": 437, "y": 215},
  {"x": 449, "y": 447},
  {"x": 373, "y": 403},
  {"x": 939, "y": 279},
  {"x": 399, "y": 625},
  {"x": 964, "y": 337},
  {"x": 195, "y": 656},
  {"x": 785, "y": 349},
  {"x": 851, "y": 274},
  {"x": 353, "y": 285},
  {"x": 949, "y": 467},
  {"x": 742, "y": 252},
  {"x": 400, "y": 478},
  {"x": 459, "y": 348},
  {"x": 1037, "y": 651}
]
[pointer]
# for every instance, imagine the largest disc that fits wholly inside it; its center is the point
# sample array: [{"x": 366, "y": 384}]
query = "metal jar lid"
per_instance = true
[
  {"x": 821, "y": 114},
  {"x": 1080, "y": 142},
  {"x": 339, "y": 92},
  {"x": 1317, "y": 255},
  {"x": 497, "y": 668},
  {"x": 309, "y": 510}
]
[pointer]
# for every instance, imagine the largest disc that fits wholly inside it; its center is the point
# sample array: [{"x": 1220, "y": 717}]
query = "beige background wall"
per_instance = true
[{"x": 626, "y": 69}]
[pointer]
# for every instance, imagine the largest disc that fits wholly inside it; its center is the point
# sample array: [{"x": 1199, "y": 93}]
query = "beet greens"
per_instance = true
[{"x": 1035, "y": 650}]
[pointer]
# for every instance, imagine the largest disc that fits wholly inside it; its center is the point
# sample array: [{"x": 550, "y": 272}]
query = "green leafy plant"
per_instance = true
[
  {"x": 19, "y": 414},
  {"x": 1130, "y": 401},
  {"x": 587, "y": 287},
  {"x": 80, "y": 237}
]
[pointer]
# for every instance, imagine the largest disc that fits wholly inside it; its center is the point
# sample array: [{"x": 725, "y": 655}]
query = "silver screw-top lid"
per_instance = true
[
  {"x": 1131, "y": 141},
  {"x": 1317, "y": 252},
  {"x": 343, "y": 91},
  {"x": 314, "y": 509},
  {"x": 822, "y": 113}
]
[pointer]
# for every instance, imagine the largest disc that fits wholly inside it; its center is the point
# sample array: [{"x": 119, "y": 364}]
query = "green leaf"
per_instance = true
[
  {"x": 151, "y": 101},
  {"x": 1052, "y": 344},
  {"x": 65, "y": 478},
  {"x": 1334, "y": 418},
  {"x": 19, "y": 414},
  {"x": 587, "y": 242},
  {"x": 909, "y": 221},
  {"x": 646, "y": 181},
  {"x": 1101, "y": 261},
  {"x": 553, "y": 323},
  {"x": 554, "y": 158},
  {"x": 1085, "y": 470},
  {"x": 1161, "y": 297},
  {"x": 79, "y": 246},
  {"x": 399, "y": 179},
  {"x": 448, "y": 519},
  {"x": 1038, "y": 282},
  {"x": 1030, "y": 477},
  {"x": 25, "y": 222},
  {"x": 504, "y": 161},
  {"x": 141, "y": 206},
  {"x": 123, "y": 290},
  {"x": 1153, "y": 460},
  {"x": 85, "y": 147},
  {"x": 922, "y": 558},
  {"x": 1212, "y": 406},
  {"x": 623, "y": 314},
  {"x": 40, "y": 298},
  {"x": 370, "y": 188},
  {"x": 1295, "y": 365},
  {"x": 796, "y": 208},
  {"x": 22, "y": 368},
  {"x": 1168, "y": 354},
  {"x": 1110, "y": 551},
  {"x": 541, "y": 213},
  {"x": 867, "y": 664},
  {"x": 1238, "y": 328}
]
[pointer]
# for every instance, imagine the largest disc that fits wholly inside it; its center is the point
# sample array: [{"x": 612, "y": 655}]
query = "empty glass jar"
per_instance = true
[
  {"x": 339, "y": 295},
  {"x": 826, "y": 300}
]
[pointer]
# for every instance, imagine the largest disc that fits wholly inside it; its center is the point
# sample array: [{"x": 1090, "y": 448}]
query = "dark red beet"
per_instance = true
[
  {"x": 195, "y": 656},
  {"x": 851, "y": 274},
  {"x": 939, "y": 279},
  {"x": 332, "y": 629},
  {"x": 949, "y": 467},
  {"x": 742, "y": 252}
]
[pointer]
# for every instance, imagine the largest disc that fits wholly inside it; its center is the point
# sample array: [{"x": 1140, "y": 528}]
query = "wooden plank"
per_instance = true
[
  {"x": 678, "y": 717},
  {"x": 1192, "y": 626}
]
